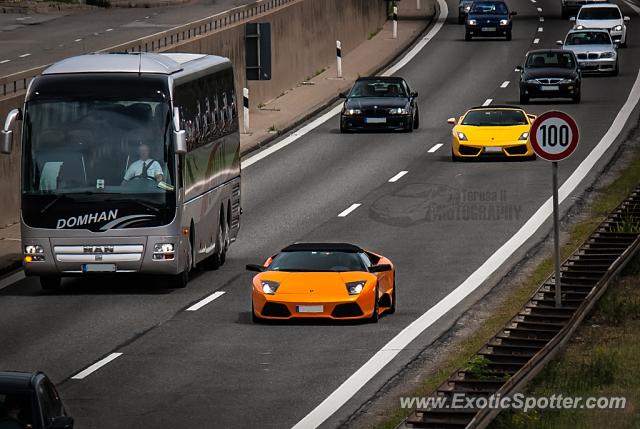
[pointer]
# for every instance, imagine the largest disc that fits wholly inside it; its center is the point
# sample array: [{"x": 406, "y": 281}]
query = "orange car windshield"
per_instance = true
[{"x": 312, "y": 261}]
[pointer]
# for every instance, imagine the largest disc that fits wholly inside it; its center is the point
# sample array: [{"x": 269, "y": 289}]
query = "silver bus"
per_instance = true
[{"x": 130, "y": 164}]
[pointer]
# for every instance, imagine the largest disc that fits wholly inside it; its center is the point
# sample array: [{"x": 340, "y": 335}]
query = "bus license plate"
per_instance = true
[{"x": 98, "y": 268}]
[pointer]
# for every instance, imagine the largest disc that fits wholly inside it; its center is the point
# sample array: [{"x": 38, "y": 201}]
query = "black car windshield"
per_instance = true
[
  {"x": 599, "y": 13},
  {"x": 551, "y": 60},
  {"x": 378, "y": 88},
  {"x": 489, "y": 8},
  {"x": 495, "y": 118},
  {"x": 16, "y": 409},
  {"x": 588, "y": 38},
  {"x": 100, "y": 135},
  {"x": 320, "y": 261}
]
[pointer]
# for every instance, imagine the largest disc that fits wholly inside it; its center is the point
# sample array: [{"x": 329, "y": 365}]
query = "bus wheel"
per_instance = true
[
  {"x": 179, "y": 281},
  {"x": 215, "y": 261},
  {"x": 49, "y": 282}
]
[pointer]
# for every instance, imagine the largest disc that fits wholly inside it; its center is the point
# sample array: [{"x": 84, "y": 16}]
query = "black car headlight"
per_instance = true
[
  {"x": 354, "y": 288},
  {"x": 269, "y": 287},
  {"x": 472, "y": 22},
  {"x": 399, "y": 111},
  {"x": 504, "y": 22},
  {"x": 352, "y": 112}
]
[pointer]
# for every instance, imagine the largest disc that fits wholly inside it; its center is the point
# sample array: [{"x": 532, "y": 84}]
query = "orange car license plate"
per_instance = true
[{"x": 310, "y": 308}]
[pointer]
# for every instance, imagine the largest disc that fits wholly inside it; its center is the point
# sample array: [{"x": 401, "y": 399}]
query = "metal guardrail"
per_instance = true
[
  {"x": 518, "y": 352},
  {"x": 18, "y": 82}
]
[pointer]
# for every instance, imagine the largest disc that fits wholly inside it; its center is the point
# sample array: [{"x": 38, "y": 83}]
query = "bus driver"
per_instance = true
[{"x": 144, "y": 167}]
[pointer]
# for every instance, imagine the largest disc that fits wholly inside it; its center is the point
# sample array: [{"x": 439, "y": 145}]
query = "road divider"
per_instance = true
[
  {"x": 350, "y": 210},
  {"x": 198, "y": 305},
  {"x": 96, "y": 366},
  {"x": 398, "y": 176}
]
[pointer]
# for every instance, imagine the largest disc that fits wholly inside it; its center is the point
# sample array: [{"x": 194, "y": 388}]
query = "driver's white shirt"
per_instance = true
[{"x": 135, "y": 169}]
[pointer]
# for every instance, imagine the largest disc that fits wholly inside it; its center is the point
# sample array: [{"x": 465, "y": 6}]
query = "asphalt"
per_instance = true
[
  {"x": 213, "y": 367},
  {"x": 28, "y": 41}
]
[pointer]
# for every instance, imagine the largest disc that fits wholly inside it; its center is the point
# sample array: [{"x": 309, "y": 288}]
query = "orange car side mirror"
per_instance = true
[
  {"x": 255, "y": 267},
  {"x": 381, "y": 268}
]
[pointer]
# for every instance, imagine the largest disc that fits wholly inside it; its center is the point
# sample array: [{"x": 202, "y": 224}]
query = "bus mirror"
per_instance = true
[
  {"x": 6, "y": 144},
  {"x": 180, "y": 138}
]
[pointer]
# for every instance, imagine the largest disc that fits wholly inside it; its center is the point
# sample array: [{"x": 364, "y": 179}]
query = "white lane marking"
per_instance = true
[
  {"x": 11, "y": 279},
  {"x": 198, "y": 305},
  {"x": 633, "y": 6},
  {"x": 78, "y": 40},
  {"x": 398, "y": 176},
  {"x": 444, "y": 10},
  {"x": 533, "y": 1},
  {"x": 504, "y": 84},
  {"x": 25, "y": 55},
  {"x": 398, "y": 343},
  {"x": 108, "y": 29},
  {"x": 539, "y": 9},
  {"x": 536, "y": 41},
  {"x": 516, "y": 70},
  {"x": 487, "y": 101},
  {"x": 540, "y": 29},
  {"x": 96, "y": 366},
  {"x": 4, "y": 61},
  {"x": 435, "y": 148},
  {"x": 542, "y": 19},
  {"x": 346, "y": 212}
]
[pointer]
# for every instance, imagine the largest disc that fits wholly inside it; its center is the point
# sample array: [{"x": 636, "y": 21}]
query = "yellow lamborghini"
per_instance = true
[
  {"x": 490, "y": 131},
  {"x": 323, "y": 280}
]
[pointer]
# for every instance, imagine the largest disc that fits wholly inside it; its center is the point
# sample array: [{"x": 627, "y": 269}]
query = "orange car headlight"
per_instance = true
[
  {"x": 354, "y": 288},
  {"x": 269, "y": 287}
]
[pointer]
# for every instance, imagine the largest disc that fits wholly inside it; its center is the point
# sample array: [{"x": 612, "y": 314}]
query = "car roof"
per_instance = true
[
  {"x": 382, "y": 78},
  {"x": 588, "y": 30},
  {"x": 555, "y": 50},
  {"x": 17, "y": 379},
  {"x": 497, "y": 107},
  {"x": 323, "y": 247},
  {"x": 599, "y": 5}
]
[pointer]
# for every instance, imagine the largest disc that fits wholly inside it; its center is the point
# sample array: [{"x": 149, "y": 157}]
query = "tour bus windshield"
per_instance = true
[{"x": 91, "y": 135}]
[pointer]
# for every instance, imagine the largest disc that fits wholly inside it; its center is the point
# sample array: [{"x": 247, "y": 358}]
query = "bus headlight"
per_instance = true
[
  {"x": 33, "y": 253},
  {"x": 163, "y": 251}
]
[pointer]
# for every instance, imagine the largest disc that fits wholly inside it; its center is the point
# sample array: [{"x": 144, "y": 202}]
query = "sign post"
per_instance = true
[{"x": 554, "y": 136}]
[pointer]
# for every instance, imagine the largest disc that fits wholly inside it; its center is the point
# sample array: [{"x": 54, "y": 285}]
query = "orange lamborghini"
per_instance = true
[{"x": 323, "y": 280}]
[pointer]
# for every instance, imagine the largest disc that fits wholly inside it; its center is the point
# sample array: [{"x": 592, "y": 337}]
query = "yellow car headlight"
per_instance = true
[{"x": 461, "y": 135}]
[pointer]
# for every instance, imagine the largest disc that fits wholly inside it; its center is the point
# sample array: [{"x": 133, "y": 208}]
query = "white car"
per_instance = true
[
  {"x": 604, "y": 15},
  {"x": 594, "y": 49}
]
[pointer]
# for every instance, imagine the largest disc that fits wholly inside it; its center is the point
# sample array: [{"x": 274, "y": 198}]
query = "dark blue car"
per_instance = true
[{"x": 488, "y": 18}]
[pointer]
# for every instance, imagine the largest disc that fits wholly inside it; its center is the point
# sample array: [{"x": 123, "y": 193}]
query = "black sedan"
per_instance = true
[
  {"x": 30, "y": 400},
  {"x": 550, "y": 73},
  {"x": 380, "y": 103},
  {"x": 488, "y": 19}
]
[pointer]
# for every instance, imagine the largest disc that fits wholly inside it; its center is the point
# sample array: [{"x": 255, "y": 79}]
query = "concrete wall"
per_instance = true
[{"x": 303, "y": 42}]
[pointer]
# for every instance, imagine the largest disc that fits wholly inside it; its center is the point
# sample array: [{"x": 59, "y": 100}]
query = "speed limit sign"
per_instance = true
[{"x": 554, "y": 135}]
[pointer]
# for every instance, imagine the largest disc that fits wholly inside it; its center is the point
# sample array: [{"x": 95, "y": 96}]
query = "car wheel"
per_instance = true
[
  {"x": 392, "y": 309},
  {"x": 460, "y": 19},
  {"x": 416, "y": 120},
  {"x": 623, "y": 44},
  {"x": 254, "y": 318},
  {"x": 50, "y": 283},
  {"x": 343, "y": 129},
  {"x": 376, "y": 308},
  {"x": 615, "y": 71},
  {"x": 576, "y": 98},
  {"x": 524, "y": 99},
  {"x": 467, "y": 36},
  {"x": 508, "y": 35},
  {"x": 454, "y": 158}
]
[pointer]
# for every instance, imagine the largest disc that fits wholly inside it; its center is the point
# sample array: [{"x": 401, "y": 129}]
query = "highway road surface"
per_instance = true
[
  {"x": 439, "y": 223},
  {"x": 24, "y": 45}
]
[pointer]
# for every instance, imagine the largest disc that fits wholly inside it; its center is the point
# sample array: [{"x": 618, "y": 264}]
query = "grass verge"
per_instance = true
[{"x": 605, "y": 200}]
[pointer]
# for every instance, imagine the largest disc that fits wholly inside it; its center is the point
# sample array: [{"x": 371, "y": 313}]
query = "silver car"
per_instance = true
[{"x": 595, "y": 50}]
